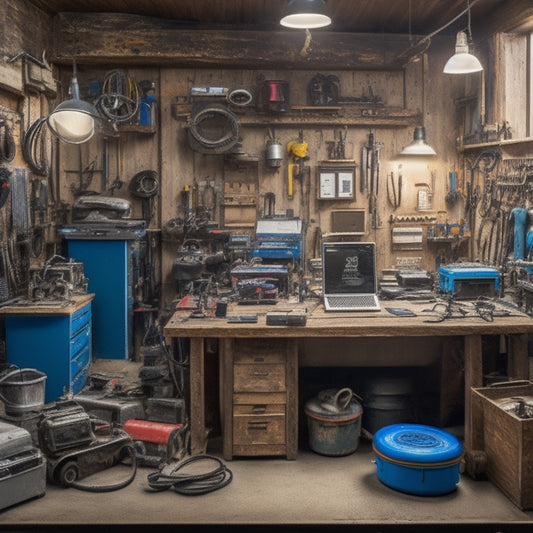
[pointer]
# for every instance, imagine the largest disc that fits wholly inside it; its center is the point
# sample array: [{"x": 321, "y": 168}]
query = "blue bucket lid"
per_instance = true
[{"x": 416, "y": 443}]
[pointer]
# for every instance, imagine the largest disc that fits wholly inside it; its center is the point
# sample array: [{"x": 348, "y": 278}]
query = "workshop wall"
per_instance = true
[
  {"x": 413, "y": 196},
  {"x": 420, "y": 94}
]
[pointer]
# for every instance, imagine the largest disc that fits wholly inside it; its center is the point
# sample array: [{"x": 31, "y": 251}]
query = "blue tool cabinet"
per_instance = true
[
  {"x": 56, "y": 341},
  {"x": 107, "y": 265}
]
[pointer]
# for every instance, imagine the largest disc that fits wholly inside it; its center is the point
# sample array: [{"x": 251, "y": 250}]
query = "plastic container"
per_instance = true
[
  {"x": 417, "y": 459},
  {"x": 334, "y": 422},
  {"x": 22, "y": 390}
]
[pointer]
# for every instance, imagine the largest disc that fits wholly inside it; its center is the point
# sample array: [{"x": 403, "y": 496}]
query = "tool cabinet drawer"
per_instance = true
[
  {"x": 259, "y": 404},
  {"x": 251, "y": 351},
  {"x": 259, "y": 378},
  {"x": 80, "y": 319},
  {"x": 259, "y": 429}
]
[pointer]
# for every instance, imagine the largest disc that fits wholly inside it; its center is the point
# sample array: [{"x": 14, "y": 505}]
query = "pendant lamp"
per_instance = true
[
  {"x": 462, "y": 62},
  {"x": 418, "y": 145},
  {"x": 73, "y": 120},
  {"x": 305, "y": 14}
]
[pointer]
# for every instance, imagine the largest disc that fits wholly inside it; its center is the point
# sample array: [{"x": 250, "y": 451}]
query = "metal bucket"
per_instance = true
[
  {"x": 334, "y": 422},
  {"x": 389, "y": 400},
  {"x": 22, "y": 390}
]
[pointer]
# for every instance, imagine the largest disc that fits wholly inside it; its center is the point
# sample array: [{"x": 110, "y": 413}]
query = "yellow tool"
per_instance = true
[{"x": 290, "y": 182}]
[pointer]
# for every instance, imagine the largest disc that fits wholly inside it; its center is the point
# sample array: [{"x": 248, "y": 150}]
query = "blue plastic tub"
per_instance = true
[{"x": 417, "y": 459}]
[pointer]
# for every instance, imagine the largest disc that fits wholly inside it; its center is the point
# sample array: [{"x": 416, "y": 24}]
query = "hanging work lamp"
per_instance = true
[
  {"x": 305, "y": 14},
  {"x": 73, "y": 121},
  {"x": 462, "y": 62},
  {"x": 418, "y": 145}
]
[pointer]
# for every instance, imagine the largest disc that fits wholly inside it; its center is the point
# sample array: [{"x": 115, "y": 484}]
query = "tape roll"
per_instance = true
[{"x": 240, "y": 97}]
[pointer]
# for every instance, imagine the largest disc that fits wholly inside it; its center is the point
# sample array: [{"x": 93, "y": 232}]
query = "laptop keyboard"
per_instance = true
[{"x": 358, "y": 301}]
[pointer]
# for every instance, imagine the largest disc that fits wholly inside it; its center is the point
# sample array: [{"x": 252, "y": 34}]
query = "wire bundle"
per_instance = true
[{"x": 192, "y": 484}]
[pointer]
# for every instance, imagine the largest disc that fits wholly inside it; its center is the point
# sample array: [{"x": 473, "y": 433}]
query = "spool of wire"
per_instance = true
[{"x": 120, "y": 98}]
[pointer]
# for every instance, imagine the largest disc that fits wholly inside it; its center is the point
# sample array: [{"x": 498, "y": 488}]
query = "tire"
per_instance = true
[{"x": 68, "y": 473}]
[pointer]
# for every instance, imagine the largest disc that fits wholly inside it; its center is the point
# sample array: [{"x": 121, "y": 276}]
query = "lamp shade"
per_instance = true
[
  {"x": 305, "y": 14},
  {"x": 418, "y": 145},
  {"x": 462, "y": 62},
  {"x": 73, "y": 120}
]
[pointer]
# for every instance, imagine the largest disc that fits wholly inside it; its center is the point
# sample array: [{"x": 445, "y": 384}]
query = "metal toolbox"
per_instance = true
[{"x": 22, "y": 466}]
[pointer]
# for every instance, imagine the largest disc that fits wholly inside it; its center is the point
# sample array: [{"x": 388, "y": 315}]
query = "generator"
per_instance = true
[
  {"x": 157, "y": 442},
  {"x": 22, "y": 466}
]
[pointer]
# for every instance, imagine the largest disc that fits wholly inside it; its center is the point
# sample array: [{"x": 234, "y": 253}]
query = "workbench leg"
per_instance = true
[
  {"x": 473, "y": 378},
  {"x": 292, "y": 398},
  {"x": 197, "y": 396},
  {"x": 517, "y": 357},
  {"x": 226, "y": 349}
]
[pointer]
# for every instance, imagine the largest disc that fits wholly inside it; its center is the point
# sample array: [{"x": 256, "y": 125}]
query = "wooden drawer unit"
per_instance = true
[{"x": 259, "y": 391}]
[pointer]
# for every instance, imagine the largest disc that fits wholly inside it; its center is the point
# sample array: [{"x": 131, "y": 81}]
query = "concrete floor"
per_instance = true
[{"x": 312, "y": 493}]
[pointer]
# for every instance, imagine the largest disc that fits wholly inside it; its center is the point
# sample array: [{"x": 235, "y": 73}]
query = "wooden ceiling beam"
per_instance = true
[{"x": 114, "y": 38}]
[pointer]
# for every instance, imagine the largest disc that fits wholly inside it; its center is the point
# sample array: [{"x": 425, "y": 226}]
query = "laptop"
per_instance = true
[{"x": 349, "y": 279}]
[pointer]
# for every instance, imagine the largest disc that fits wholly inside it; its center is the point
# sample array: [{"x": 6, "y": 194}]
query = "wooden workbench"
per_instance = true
[{"x": 339, "y": 325}]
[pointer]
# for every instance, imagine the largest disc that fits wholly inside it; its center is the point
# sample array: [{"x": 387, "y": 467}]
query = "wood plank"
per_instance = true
[
  {"x": 197, "y": 397},
  {"x": 226, "y": 392},
  {"x": 93, "y": 39},
  {"x": 473, "y": 379}
]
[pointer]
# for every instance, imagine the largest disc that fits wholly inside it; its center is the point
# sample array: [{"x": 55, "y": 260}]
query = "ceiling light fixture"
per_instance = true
[
  {"x": 73, "y": 120},
  {"x": 462, "y": 62},
  {"x": 305, "y": 14},
  {"x": 418, "y": 145}
]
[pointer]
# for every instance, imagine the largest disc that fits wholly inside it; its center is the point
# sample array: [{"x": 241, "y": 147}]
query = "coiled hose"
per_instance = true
[{"x": 192, "y": 484}]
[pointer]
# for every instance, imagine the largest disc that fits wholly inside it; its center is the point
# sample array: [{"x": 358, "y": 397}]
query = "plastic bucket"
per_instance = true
[
  {"x": 334, "y": 422},
  {"x": 22, "y": 390}
]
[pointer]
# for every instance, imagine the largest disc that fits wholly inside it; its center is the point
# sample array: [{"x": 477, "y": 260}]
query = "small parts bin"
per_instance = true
[
  {"x": 334, "y": 422},
  {"x": 417, "y": 459}
]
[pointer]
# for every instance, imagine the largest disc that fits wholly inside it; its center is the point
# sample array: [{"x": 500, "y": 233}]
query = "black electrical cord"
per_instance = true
[
  {"x": 192, "y": 484},
  {"x": 34, "y": 148},
  {"x": 129, "y": 450}
]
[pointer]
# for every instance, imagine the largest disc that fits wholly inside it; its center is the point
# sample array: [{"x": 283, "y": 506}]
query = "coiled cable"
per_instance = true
[
  {"x": 36, "y": 149},
  {"x": 192, "y": 484}
]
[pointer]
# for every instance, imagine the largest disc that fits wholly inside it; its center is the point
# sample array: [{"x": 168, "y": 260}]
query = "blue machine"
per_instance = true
[
  {"x": 469, "y": 280},
  {"x": 277, "y": 238}
]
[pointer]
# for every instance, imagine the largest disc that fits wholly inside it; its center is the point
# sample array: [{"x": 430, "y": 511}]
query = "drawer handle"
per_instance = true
[
  {"x": 260, "y": 374},
  {"x": 259, "y": 408},
  {"x": 258, "y": 426},
  {"x": 259, "y": 359}
]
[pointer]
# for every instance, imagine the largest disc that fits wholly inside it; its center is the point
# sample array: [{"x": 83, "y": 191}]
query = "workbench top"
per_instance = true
[
  {"x": 47, "y": 307},
  {"x": 352, "y": 324}
]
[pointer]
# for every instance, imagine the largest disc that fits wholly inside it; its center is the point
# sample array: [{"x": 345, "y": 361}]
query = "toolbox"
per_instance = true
[
  {"x": 22, "y": 466},
  {"x": 469, "y": 280},
  {"x": 507, "y": 438}
]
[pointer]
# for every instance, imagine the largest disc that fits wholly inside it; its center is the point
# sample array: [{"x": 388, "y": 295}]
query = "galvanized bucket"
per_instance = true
[
  {"x": 334, "y": 422},
  {"x": 22, "y": 390}
]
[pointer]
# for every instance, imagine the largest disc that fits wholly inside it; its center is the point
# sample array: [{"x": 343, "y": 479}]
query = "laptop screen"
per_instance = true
[{"x": 349, "y": 268}]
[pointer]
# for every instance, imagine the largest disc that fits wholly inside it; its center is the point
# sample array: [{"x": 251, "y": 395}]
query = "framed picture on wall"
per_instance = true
[{"x": 336, "y": 182}]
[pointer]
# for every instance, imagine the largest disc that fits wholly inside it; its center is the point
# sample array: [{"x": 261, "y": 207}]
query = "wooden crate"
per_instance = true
[{"x": 507, "y": 441}]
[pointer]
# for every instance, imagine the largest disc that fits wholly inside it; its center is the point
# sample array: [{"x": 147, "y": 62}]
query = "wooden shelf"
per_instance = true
[
  {"x": 505, "y": 143},
  {"x": 136, "y": 128}
]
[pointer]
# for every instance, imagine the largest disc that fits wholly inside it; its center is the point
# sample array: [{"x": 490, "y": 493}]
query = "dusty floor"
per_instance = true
[{"x": 312, "y": 493}]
